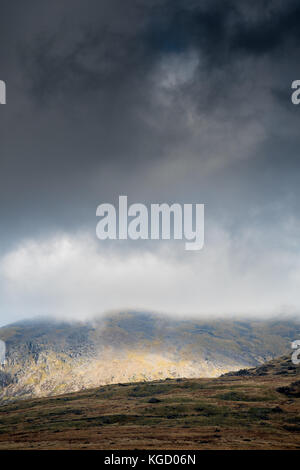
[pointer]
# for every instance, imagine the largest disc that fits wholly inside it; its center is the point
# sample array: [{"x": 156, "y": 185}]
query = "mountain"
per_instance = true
[
  {"x": 46, "y": 358},
  {"x": 259, "y": 410}
]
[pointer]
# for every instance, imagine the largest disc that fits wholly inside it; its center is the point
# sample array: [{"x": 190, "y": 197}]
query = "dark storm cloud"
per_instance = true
[
  {"x": 74, "y": 57},
  {"x": 95, "y": 61},
  {"x": 224, "y": 28},
  {"x": 154, "y": 99}
]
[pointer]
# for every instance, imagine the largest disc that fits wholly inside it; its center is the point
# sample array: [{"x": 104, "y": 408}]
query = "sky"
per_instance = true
[{"x": 163, "y": 101}]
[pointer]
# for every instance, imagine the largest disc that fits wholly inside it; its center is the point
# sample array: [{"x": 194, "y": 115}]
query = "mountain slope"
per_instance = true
[
  {"x": 231, "y": 412},
  {"x": 48, "y": 358}
]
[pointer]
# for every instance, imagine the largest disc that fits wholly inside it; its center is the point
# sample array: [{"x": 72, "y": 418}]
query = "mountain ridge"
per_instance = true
[{"x": 46, "y": 358}]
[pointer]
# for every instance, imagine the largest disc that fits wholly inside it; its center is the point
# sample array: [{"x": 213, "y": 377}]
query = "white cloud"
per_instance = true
[{"x": 78, "y": 277}]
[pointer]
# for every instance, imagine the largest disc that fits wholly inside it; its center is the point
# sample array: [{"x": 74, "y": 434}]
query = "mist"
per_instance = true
[{"x": 76, "y": 277}]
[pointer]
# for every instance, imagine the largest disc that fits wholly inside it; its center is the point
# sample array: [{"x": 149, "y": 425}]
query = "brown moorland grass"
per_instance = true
[{"x": 259, "y": 409}]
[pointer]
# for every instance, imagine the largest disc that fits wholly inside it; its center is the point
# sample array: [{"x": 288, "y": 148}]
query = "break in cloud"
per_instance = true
[{"x": 174, "y": 101}]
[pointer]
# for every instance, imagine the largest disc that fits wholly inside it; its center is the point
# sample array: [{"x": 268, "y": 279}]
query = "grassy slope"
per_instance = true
[{"x": 231, "y": 412}]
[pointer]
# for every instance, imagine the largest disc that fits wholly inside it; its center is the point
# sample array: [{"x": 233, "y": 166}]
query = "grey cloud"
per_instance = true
[{"x": 161, "y": 100}]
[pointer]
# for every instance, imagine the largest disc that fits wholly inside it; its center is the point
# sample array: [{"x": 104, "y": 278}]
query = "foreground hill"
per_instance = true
[
  {"x": 48, "y": 358},
  {"x": 260, "y": 410}
]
